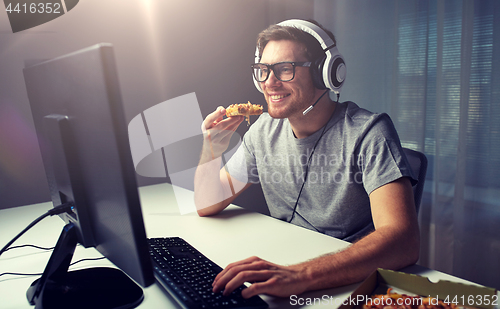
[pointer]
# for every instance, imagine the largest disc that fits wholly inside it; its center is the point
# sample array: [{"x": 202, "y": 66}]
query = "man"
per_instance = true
[{"x": 338, "y": 170}]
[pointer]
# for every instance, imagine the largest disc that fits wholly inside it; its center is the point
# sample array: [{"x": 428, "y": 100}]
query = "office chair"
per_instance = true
[{"x": 418, "y": 163}]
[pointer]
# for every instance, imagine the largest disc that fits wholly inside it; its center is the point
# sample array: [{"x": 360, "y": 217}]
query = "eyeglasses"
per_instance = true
[{"x": 284, "y": 71}]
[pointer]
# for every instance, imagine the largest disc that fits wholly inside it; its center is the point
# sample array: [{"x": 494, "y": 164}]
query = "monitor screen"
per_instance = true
[{"x": 82, "y": 133}]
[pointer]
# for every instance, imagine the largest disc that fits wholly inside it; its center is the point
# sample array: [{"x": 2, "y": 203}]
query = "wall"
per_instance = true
[{"x": 163, "y": 49}]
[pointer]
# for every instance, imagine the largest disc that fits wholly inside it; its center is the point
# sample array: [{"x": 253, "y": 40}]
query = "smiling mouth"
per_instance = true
[{"x": 278, "y": 96}]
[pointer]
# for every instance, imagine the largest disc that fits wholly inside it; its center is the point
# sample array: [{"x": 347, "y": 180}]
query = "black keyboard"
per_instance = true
[{"x": 188, "y": 275}]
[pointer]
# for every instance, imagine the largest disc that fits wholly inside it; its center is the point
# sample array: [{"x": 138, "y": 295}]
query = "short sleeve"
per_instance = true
[
  {"x": 381, "y": 159},
  {"x": 242, "y": 165}
]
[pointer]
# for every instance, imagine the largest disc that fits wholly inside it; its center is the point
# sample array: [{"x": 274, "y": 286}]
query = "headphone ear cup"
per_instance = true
[
  {"x": 316, "y": 73},
  {"x": 334, "y": 70},
  {"x": 338, "y": 72}
]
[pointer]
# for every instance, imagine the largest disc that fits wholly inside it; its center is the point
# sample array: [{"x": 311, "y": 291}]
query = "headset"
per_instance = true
[{"x": 328, "y": 72}]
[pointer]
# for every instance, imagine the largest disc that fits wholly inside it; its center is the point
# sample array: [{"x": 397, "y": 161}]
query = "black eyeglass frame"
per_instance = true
[{"x": 270, "y": 67}]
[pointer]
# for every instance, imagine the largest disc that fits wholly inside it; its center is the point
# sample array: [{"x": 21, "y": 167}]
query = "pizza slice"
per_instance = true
[{"x": 244, "y": 110}]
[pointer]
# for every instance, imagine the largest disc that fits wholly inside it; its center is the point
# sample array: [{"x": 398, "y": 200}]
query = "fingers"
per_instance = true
[
  {"x": 261, "y": 288},
  {"x": 265, "y": 278},
  {"x": 216, "y": 120},
  {"x": 217, "y": 132},
  {"x": 257, "y": 277},
  {"x": 215, "y": 116},
  {"x": 250, "y": 270},
  {"x": 230, "y": 266}
]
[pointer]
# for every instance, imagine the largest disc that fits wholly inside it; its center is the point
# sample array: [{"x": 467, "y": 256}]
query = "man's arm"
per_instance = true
[
  {"x": 393, "y": 245},
  {"x": 214, "y": 195},
  {"x": 214, "y": 189}
]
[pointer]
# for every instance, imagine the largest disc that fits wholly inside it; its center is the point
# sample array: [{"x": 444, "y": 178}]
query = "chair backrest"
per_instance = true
[{"x": 418, "y": 163}]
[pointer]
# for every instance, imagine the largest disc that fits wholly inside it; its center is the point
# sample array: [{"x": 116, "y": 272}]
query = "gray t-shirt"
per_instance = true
[{"x": 357, "y": 152}]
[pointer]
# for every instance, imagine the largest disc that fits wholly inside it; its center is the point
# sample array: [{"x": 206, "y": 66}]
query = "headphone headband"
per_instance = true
[{"x": 319, "y": 34}]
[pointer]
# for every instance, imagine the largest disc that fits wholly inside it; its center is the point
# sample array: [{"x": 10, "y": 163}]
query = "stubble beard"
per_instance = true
[{"x": 293, "y": 108}]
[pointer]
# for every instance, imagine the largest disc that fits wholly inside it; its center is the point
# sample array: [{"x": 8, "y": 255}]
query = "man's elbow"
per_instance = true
[
  {"x": 208, "y": 210},
  {"x": 415, "y": 251},
  {"x": 412, "y": 248},
  {"x": 406, "y": 247},
  {"x": 410, "y": 256},
  {"x": 204, "y": 213}
]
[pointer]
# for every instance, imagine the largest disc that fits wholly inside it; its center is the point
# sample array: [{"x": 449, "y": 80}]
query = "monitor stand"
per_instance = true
[{"x": 94, "y": 288}]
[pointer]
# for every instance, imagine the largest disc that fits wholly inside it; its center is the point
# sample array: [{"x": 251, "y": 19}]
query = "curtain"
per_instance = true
[{"x": 434, "y": 67}]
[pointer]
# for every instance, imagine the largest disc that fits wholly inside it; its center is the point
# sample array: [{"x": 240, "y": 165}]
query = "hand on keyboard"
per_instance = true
[
  {"x": 188, "y": 275},
  {"x": 267, "y": 278}
]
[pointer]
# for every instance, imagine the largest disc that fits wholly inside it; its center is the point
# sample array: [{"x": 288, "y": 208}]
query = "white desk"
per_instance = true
[{"x": 233, "y": 235}]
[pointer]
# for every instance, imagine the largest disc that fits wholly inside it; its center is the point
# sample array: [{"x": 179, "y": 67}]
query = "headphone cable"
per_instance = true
[{"x": 307, "y": 170}]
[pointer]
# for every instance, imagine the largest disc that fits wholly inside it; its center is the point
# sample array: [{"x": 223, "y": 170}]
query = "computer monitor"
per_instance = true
[{"x": 82, "y": 133}]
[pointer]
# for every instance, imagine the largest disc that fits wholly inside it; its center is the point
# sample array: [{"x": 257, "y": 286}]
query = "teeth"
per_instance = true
[{"x": 277, "y": 97}]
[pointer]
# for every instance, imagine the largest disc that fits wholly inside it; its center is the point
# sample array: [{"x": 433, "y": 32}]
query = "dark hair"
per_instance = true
[{"x": 312, "y": 48}]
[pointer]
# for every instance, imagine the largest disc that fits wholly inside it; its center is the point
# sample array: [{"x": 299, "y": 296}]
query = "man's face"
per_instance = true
[{"x": 287, "y": 99}]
